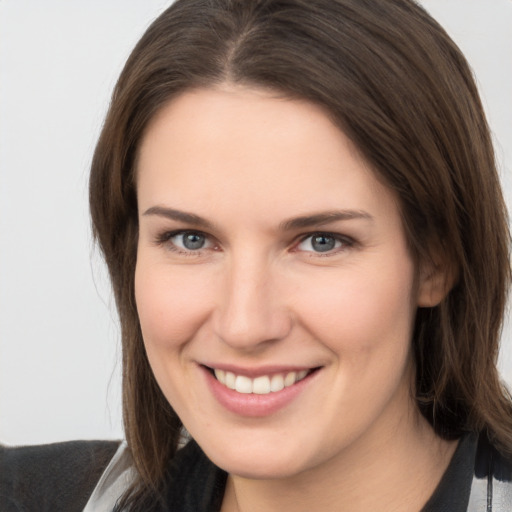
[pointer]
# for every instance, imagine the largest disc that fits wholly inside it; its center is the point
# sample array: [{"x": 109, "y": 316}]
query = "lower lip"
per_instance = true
[{"x": 252, "y": 404}]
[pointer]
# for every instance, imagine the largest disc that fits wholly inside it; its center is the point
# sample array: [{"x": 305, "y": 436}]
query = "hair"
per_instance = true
[{"x": 401, "y": 90}]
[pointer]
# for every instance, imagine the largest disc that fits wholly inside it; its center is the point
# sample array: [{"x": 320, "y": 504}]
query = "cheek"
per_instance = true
[
  {"x": 365, "y": 318},
  {"x": 362, "y": 310},
  {"x": 170, "y": 304}
]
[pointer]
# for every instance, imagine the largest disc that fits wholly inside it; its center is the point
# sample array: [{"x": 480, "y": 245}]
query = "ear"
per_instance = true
[{"x": 436, "y": 279}]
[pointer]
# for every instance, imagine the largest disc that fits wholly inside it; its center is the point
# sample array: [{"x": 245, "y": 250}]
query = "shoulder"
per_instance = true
[
  {"x": 194, "y": 482},
  {"x": 57, "y": 476},
  {"x": 492, "y": 482},
  {"x": 490, "y": 461},
  {"x": 478, "y": 479}
]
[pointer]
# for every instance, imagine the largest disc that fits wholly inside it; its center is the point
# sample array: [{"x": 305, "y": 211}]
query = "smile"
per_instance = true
[
  {"x": 259, "y": 392},
  {"x": 261, "y": 385}
]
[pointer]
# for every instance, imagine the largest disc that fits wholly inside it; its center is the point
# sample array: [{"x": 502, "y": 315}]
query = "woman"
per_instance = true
[{"x": 298, "y": 205}]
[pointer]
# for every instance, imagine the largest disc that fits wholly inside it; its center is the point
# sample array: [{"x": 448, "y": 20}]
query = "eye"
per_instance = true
[
  {"x": 187, "y": 242},
  {"x": 322, "y": 243}
]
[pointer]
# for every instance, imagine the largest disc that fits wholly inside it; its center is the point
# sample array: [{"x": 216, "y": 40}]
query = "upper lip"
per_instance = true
[{"x": 253, "y": 372}]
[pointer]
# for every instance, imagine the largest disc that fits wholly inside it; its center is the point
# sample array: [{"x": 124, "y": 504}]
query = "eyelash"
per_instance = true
[
  {"x": 164, "y": 239},
  {"x": 345, "y": 241}
]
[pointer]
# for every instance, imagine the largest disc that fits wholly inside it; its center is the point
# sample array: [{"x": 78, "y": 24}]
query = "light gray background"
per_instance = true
[{"x": 59, "y": 59}]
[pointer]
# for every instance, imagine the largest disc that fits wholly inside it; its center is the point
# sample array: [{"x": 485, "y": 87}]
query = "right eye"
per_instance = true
[
  {"x": 186, "y": 242},
  {"x": 190, "y": 241}
]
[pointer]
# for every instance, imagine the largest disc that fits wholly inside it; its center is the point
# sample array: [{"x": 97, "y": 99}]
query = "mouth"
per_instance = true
[
  {"x": 258, "y": 393},
  {"x": 262, "y": 384}
]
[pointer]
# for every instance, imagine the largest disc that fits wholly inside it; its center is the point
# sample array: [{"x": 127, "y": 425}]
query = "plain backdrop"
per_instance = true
[{"x": 59, "y": 337}]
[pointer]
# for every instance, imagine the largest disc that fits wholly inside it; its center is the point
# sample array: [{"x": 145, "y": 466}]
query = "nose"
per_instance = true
[{"x": 251, "y": 311}]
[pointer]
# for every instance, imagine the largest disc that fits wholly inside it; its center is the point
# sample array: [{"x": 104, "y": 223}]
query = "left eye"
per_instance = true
[
  {"x": 190, "y": 241},
  {"x": 320, "y": 242}
]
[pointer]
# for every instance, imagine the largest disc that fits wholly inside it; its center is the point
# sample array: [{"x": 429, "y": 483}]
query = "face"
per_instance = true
[{"x": 274, "y": 286}]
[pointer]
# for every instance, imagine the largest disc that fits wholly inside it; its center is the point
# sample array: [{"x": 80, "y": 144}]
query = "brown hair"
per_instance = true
[{"x": 399, "y": 87}]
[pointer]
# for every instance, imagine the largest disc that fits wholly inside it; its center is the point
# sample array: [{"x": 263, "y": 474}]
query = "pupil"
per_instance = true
[
  {"x": 193, "y": 241},
  {"x": 323, "y": 243}
]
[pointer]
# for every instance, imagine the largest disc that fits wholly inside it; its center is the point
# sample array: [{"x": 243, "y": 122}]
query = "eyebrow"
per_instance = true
[
  {"x": 180, "y": 216},
  {"x": 301, "y": 222},
  {"x": 319, "y": 219}
]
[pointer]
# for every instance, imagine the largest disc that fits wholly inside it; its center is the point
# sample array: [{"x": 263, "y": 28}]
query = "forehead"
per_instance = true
[{"x": 249, "y": 147}]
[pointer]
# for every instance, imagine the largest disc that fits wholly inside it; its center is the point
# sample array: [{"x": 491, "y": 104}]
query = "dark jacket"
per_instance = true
[
  {"x": 61, "y": 477},
  {"x": 53, "y": 477}
]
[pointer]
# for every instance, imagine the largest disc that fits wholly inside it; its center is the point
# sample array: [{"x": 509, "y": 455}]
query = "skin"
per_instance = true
[{"x": 259, "y": 293}]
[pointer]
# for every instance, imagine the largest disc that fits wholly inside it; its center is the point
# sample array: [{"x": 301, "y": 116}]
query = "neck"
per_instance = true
[{"x": 397, "y": 471}]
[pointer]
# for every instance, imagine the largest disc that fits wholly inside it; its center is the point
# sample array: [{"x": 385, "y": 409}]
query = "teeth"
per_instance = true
[
  {"x": 290, "y": 379},
  {"x": 276, "y": 383},
  {"x": 221, "y": 376},
  {"x": 230, "y": 380},
  {"x": 243, "y": 384},
  {"x": 260, "y": 385}
]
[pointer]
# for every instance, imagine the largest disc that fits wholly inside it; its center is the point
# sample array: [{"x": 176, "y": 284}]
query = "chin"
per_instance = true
[
  {"x": 259, "y": 459},
  {"x": 260, "y": 468}
]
